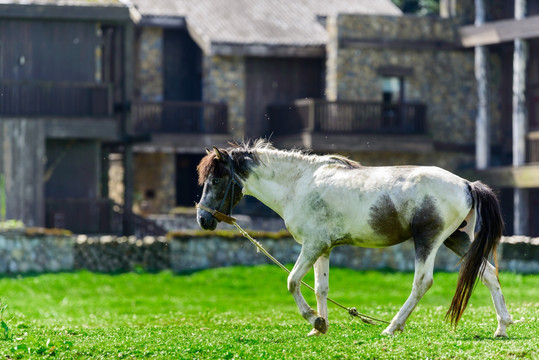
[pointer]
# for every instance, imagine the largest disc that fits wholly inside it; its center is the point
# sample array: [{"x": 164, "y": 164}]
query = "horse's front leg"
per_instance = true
[
  {"x": 321, "y": 289},
  {"x": 305, "y": 261}
]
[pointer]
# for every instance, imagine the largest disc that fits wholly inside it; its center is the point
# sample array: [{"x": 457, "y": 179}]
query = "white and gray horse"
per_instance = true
[{"x": 328, "y": 201}]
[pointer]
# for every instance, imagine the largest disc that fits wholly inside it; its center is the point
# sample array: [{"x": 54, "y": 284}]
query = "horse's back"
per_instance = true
[{"x": 383, "y": 206}]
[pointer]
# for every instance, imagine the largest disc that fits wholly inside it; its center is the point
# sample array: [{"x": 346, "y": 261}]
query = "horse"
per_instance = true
[{"x": 330, "y": 200}]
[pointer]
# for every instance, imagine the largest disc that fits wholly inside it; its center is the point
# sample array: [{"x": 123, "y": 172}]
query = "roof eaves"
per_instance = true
[
  {"x": 267, "y": 50},
  {"x": 118, "y": 12},
  {"x": 163, "y": 21}
]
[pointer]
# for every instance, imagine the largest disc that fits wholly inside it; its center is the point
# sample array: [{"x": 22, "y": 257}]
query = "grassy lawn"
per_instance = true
[{"x": 246, "y": 312}]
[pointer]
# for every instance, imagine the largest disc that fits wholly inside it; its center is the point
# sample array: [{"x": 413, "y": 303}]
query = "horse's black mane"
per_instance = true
[{"x": 245, "y": 155}]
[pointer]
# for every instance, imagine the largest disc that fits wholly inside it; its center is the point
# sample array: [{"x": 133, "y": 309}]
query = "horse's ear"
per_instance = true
[
  {"x": 208, "y": 151},
  {"x": 218, "y": 154}
]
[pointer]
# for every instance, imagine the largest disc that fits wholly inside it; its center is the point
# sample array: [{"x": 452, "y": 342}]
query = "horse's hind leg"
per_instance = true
[
  {"x": 321, "y": 289},
  {"x": 459, "y": 242},
  {"x": 423, "y": 280}
]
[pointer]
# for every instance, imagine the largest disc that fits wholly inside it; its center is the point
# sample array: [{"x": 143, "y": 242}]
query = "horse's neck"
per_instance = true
[{"x": 274, "y": 180}]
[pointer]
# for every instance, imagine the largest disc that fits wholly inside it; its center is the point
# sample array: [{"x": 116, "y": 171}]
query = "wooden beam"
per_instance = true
[
  {"x": 499, "y": 31},
  {"x": 119, "y": 13},
  {"x": 522, "y": 177}
]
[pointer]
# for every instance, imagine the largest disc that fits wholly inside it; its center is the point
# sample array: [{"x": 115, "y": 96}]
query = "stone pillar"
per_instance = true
[
  {"x": 482, "y": 132},
  {"x": 22, "y": 159},
  {"x": 519, "y": 122},
  {"x": 332, "y": 58}
]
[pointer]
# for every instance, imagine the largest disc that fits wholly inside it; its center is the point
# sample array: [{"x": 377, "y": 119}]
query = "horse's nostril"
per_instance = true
[{"x": 201, "y": 221}]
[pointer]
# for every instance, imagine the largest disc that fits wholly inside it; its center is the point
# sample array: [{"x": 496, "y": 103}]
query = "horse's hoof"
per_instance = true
[
  {"x": 500, "y": 334},
  {"x": 321, "y": 325},
  {"x": 315, "y": 332},
  {"x": 390, "y": 330}
]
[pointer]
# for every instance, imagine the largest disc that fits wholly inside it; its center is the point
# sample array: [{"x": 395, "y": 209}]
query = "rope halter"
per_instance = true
[{"x": 219, "y": 213}]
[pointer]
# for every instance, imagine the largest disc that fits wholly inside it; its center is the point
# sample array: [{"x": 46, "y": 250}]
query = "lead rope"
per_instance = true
[
  {"x": 351, "y": 310},
  {"x": 232, "y": 221}
]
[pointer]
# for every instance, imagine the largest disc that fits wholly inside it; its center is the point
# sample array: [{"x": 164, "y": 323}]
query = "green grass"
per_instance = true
[{"x": 246, "y": 312}]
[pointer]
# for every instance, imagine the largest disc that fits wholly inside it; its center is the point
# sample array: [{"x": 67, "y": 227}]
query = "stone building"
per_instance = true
[
  {"x": 375, "y": 81},
  {"x": 64, "y": 87}
]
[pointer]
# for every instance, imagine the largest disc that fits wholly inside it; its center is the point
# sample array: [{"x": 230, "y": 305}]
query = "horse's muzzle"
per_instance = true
[{"x": 205, "y": 220}]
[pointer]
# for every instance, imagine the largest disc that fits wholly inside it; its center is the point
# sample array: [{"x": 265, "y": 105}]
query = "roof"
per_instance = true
[{"x": 236, "y": 26}]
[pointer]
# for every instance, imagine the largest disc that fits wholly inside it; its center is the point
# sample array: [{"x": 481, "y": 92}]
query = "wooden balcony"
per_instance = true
[
  {"x": 347, "y": 117},
  {"x": 179, "y": 117},
  {"x": 55, "y": 99}
]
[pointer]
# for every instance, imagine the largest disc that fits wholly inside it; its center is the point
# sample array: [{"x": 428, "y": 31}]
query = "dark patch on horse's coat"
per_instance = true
[
  {"x": 384, "y": 219},
  {"x": 348, "y": 163},
  {"x": 459, "y": 242},
  {"x": 346, "y": 239},
  {"x": 426, "y": 225}
]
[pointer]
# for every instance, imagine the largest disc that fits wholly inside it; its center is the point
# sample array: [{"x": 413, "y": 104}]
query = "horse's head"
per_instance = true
[{"x": 222, "y": 188}]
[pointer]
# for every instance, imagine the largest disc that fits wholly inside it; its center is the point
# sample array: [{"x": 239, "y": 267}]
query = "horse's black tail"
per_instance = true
[{"x": 486, "y": 240}]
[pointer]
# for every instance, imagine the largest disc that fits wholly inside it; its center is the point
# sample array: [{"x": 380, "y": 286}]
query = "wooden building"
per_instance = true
[
  {"x": 506, "y": 34},
  {"x": 64, "y": 92}
]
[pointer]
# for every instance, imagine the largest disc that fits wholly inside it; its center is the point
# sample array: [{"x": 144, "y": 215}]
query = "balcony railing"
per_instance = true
[
  {"x": 180, "y": 117},
  {"x": 345, "y": 117},
  {"x": 62, "y": 99}
]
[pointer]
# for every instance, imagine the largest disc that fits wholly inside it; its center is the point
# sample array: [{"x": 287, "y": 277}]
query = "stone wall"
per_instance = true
[
  {"x": 517, "y": 254},
  {"x": 224, "y": 81},
  {"x": 118, "y": 254},
  {"x": 23, "y": 252},
  {"x": 149, "y": 72}
]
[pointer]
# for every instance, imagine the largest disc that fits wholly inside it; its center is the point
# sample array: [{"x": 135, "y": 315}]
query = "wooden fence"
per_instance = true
[
  {"x": 180, "y": 117},
  {"x": 64, "y": 99}
]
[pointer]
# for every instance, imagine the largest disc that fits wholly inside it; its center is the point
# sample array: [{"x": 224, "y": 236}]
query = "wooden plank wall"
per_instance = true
[
  {"x": 48, "y": 51},
  {"x": 22, "y": 158}
]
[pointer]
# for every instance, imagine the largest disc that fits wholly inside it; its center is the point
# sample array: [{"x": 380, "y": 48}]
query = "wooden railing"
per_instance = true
[
  {"x": 346, "y": 117},
  {"x": 180, "y": 117},
  {"x": 64, "y": 99},
  {"x": 96, "y": 216},
  {"x": 533, "y": 147}
]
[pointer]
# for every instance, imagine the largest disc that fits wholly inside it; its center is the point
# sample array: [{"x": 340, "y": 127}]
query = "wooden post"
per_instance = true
[
  {"x": 482, "y": 132},
  {"x": 519, "y": 122},
  {"x": 126, "y": 130},
  {"x": 22, "y": 162}
]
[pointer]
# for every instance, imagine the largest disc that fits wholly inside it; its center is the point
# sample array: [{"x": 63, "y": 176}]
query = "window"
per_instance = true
[{"x": 392, "y": 89}]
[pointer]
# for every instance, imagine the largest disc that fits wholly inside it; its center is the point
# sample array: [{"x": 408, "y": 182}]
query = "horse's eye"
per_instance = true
[{"x": 216, "y": 181}]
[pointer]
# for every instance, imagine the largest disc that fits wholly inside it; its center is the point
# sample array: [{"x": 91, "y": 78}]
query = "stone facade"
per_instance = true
[
  {"x": 438, "y": 73},
  {"x": 155, "y": 187},
  {"x": 224, "y": 81},
  {"x": 149, "y": 74}
]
